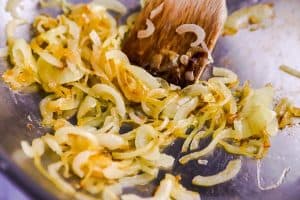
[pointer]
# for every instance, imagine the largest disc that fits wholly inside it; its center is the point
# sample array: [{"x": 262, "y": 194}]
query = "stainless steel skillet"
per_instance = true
[{"x": 254, "y": 56}]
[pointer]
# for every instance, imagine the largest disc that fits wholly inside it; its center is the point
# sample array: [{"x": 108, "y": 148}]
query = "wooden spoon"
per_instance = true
[{"x": 161, "y": 52}]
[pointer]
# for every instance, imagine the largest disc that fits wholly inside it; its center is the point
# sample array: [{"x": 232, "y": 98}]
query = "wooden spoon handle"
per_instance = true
[{"x": 160, "y": 52}]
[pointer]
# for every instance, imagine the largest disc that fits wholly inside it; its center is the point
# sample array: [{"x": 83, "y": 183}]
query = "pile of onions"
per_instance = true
[{"x": 76, "y": 59}]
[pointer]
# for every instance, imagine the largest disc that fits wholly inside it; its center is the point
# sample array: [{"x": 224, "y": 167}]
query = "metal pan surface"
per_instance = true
[{"x": 254, "y": 56}]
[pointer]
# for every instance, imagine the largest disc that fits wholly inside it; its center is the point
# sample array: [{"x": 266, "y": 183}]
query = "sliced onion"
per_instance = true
[
  {"x": 164, "y": 190},
  {"x": 133, "y": 197},
  {"x": 290, "y": 71},
  {"x": 52, "y": 144},
  {"x": 199, "y": 90},
  {"x": 143, "y": 3},
  {"x": 136, "y": 119},
  {"x": 255, "y": 14},
  {"x": 142, "y": 179},
  {"x": 80, "y": 160},
  {"x": 108, "y": 92},
  {"x": 202, "y": 162},
  {"x": 144, "y": 135},
  {"x": 113, "y": 172},
  {"x": 21, "y": 54},
  {"x": 86, "y": 105},
  {"x": 148, "y": 31},
  {"x": 144, "y": 76},
  {"x": 196, "y": 140},
  {"x": 52, "y": 75},
  {"x": 257, "y": 116},
  {"x": 116, "y": 55},
  {"x": 153, "y": 155},
  {"x": 135, "y": 153},
  {"x": 111, "y": 141},
  {"x": 77, "y": 131},
  {"x": 186, "y": 109},
  {"x": 224, "y": 75},
  {"x": 38, "y": 147},
  {"x": 12, "y": 6},
  {"x": 179, "y": 192},
  {"x": 165, "y": 162},
  {"x": 27, "y": 149},
  {"x": 51, "y": 59},
  {"x": 195, "y": 155},
  {"x": 156, "y": 11},
  {"x": 82, "y": 196},
  {"x": 272, "y": 186},
  {"x": 95, "y": 38},
  {"x": 63, "y": 4},
  {"x": 58, "y": 180},
  {"x": 231, "y": 170},
  {"x": 164, "y": 124},
  {"x": 113, "y": 5},
  {"x": 188, "y": 141},
  {"x": 112, "y": 192},
  {"x": 74, "y": 29},
  {"x": 193, "y": 28},
  {"x": 184, "y": 59}
]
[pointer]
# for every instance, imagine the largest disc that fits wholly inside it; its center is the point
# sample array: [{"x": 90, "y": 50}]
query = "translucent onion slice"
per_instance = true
[
  {"x": 117, "y": 55},
  {"x": 148, "y": 31},
  {"x": 133, "y": 197},
  {"x": 142, "y": 179},
  {"x": 12, "y": 7},
  {"x": 112, "y": 192},
  {"x": 272, "y": 186},
  {"x": 290, "y": 71},
  {"x": 27, "y": 149},
  {"x": 51, "y": 59},
  {"x": 231, "y": 170},
  {"x": 165, "y": 162},
  {"x": 144, "y": 76},
  {"x": 196, "y": 140},
  {"x": 193, "y": 28},
  {"x": 21, "y": 54},
  {"x": 156, "y": 11},
  {"x": 111, "y": 141},
  {"x": 95, "y": 38},
  {"x": 58, "y": 180},
  {"x": 113, "y": 172},
  {"x": 144, "y": 135},
  {"x": 86, "y": 105},
  {"x": 134, "y": 153},
  {"x": 195, "y": 155},
  {"x": 186, "y": 109},
  {"x": 113, "y": 5},
  {"x": 187, "y": 141},
  {"x": 65, "y": 131},
  {"x": 38, "y": 147},
  {"x": 80, "y": 160},
  {"x": 52, "y": 75},
  {"x": 255, "y": 14},
  {"x": 179, "y": 192},
  {"x": 153, "y": 155},
  {"x": 108, "y": 92},
  {"x": 164, "y": 190},
  {"x": 202, "y": 162},
  {"x": 224, "y": 75},
  {"x": 52, "y": 144}
]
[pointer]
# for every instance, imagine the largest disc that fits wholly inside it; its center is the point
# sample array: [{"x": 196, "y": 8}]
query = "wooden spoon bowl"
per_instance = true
[{"x": 161, "y": 53}]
